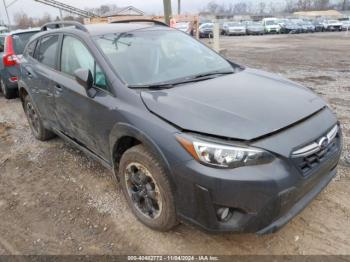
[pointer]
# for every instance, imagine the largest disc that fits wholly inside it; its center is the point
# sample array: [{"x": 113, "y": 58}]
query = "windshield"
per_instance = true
[
  {"x": 150, "y": 57},
  {"x": 256, "y": 24},
  {"x": 271, "y": 23},
  {"x": 20, "y": 41},
  {"x": 234, "y": 24},
  {"x": 207, "y": 26}
]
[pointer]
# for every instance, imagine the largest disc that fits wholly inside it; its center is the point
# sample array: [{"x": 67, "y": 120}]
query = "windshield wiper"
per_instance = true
[
  {"x": 191, "y": 79},
  {"x": 214, "y": 73},
  {"x": 153, "y": 86}
]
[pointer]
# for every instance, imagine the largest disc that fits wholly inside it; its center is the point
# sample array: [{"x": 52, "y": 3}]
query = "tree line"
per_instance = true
[
  {"x": 273, "y": 7},
  {"x": 22, "y": 20}
]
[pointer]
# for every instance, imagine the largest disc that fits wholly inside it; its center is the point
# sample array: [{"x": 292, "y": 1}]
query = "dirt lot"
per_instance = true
[{"x": 54, "y": 200}]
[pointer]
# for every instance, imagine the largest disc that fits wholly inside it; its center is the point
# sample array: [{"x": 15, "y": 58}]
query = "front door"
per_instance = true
[{"x": 82, "y": 118}]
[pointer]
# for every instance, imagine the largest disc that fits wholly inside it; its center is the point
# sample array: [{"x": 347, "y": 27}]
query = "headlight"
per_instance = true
[{"x": 224, "y": 156}]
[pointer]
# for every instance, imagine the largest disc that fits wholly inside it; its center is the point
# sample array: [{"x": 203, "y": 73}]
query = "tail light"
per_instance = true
[{"x": 9, "y": 58}]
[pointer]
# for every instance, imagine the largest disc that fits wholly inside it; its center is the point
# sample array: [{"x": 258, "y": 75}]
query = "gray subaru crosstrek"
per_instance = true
[{"x": 189, "y": 135}]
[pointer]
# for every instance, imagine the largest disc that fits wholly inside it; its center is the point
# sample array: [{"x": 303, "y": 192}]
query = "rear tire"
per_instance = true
[
  {"x": 35, "y": 122},
  {"x": 147, "y": 189},
  {"x": 8, "y": 93}
]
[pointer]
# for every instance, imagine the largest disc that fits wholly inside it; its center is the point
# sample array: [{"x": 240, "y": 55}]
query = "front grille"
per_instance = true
[{"x": 313, "y": 155}]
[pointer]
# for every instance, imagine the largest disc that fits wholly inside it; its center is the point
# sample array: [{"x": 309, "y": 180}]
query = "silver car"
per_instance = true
[
  {"x": 255, "y": 28},
  {"x": 234, "y": 28},
  {"x": 346, "y": 25}
]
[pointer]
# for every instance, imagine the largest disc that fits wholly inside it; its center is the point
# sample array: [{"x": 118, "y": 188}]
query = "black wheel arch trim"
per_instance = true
[{"x": 121, "y": 130}]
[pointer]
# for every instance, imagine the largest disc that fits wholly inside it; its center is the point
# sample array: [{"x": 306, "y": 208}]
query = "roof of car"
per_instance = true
[
  {"x": 101, "y": 29},
  {"x": 20, "y": 31}
]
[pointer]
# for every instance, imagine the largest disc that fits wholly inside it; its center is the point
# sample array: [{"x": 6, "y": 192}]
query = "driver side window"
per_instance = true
[{"x": 76, "y": 56}]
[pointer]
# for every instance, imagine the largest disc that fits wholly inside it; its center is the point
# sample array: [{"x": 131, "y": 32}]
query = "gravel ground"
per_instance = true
[{"x": 55, "y": 200}]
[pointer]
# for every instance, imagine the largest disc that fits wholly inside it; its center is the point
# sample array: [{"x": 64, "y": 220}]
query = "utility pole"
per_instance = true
[
  {"x": 167, "y": 11},
  {"x": 61, "y": 14},
  {"x": 7, "y": 14},
  {"x": 179, "y": 7}
]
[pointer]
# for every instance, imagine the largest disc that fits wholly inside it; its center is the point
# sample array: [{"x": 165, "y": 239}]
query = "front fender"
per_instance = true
[{"x": 121, "y": 130}]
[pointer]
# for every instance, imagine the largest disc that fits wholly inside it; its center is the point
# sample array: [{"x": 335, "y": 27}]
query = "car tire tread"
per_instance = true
[{"x": 167, "y": 219}]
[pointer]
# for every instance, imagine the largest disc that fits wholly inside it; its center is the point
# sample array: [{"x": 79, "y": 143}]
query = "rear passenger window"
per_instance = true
[
  {"x": 30, "y": 49},
  {"x": 47, "y": 52}
]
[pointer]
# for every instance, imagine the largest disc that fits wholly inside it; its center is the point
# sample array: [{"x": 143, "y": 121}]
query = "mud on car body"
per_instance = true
[{"x": 191, "y": 136}]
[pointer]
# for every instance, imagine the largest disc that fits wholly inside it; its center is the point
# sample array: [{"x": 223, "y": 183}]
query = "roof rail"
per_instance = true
[
  {"x": 156, "y": 22},
  {"x": 60, "y": 24}
]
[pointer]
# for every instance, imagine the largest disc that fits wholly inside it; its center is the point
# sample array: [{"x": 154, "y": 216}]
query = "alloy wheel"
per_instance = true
[
  {"x": 33, "y": 118},
  {"x": 143, "y": 190}
]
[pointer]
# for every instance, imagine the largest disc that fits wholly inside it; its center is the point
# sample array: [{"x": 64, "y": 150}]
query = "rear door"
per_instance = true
[
  {"x": 82, "y": 118},
  {"x": 39, "y": 72}
]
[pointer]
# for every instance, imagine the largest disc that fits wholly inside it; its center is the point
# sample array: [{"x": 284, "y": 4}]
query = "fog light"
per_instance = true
[{"x": 223, "y": 214}]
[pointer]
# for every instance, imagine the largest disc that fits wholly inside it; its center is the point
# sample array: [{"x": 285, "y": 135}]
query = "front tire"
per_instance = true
[
  {"x": 35, "y": 122},
  {"x": 147, "y": 189}
]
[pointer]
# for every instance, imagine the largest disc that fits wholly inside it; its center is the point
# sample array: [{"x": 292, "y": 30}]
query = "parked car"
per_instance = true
[
  {"x": 206, "y": 30},
  {"x": 308, "y": 27},
  {"x": 234, "y": 28},
  {"x": 186, "y": 27},
  {"x": 282, "y": 22},
  {"x": 332, "y": 25},
  {"x": 318, "y": 26},
  {"x": 190, "y": 135},
  {"x": 11, "y": 50},
  {"x": 271, "y": 25},
  {"x": 290, "y": 28},
  {"x": 2, "y": 43},
  {"x": 298, "y": 23},
  {"x": 346, "y": 25},
  {"x": 255, "y": 28}
]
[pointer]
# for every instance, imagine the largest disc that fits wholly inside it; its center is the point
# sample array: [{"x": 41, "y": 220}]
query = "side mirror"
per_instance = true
[{"x": 85, "y": 79}]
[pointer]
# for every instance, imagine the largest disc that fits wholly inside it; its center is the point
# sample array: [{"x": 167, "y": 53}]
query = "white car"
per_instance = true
[
  {"x": 185, "y": 27},
  {"x": 271, "y": 25},
  {"x": 332, "y": 25},
  {"x": 346, "y": 25},
  {"x": 234, "y": 28}
]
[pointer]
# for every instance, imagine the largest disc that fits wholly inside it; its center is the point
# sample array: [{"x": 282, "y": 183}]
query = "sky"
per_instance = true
[{"x": 36, "y": 9}]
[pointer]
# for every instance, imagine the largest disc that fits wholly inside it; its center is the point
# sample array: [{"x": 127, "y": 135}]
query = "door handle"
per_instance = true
[
  {"x": 58, "y": 88},
  {"x": 28, "y": 73}
]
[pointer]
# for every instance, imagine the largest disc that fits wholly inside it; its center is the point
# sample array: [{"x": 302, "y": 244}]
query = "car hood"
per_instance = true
[
  {"x": 244, "y": 106},
  {"x": 236, "y": 27}
]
